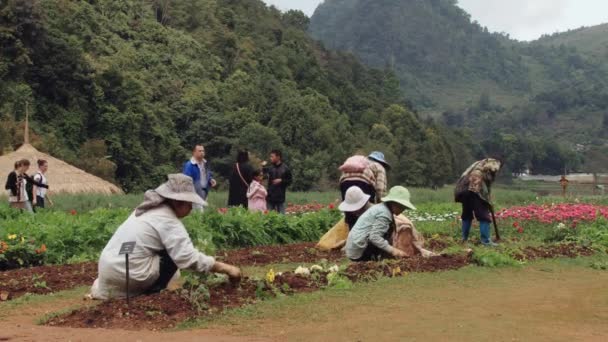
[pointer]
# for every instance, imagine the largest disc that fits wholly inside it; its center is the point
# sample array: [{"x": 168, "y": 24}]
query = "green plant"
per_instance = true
[
  {"x": 488, "y": 257},
  {"x": 196, "y": 291},
  {"x": 39, "y": 282},
  {"x": 338, "y": 281}
]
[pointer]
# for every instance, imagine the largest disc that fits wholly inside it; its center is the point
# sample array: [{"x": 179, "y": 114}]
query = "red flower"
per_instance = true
[
  {"x": 520, "y": 230},
  {"x": 515, "y": 224},
  {"x": 73, "y": 212},
  {"x": 332, "y": 206},
  {"x": 265, "y": 212}
]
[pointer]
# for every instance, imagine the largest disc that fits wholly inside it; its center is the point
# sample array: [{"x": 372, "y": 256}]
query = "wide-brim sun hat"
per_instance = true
[
  {"x": 400, "y": 195},
  {"x": 180, "y": 187},
  {"x": 379, "y": 157},
  {"x": 354, "y": 199}
]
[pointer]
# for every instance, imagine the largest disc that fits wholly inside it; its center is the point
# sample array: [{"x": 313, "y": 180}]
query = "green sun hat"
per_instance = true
[{"x": 401, "y": 195}]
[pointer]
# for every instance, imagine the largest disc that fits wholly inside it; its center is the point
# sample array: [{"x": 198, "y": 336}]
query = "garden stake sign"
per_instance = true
[{"x": 125, "y": 249}]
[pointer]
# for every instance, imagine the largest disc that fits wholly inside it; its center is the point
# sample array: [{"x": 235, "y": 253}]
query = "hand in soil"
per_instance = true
[
  {"x": 234, "y": 273},
  {"x": 397, "y": 253}
]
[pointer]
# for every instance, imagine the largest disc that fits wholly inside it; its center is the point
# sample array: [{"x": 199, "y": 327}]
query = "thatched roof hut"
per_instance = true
[{"x": 63, "y": 177}]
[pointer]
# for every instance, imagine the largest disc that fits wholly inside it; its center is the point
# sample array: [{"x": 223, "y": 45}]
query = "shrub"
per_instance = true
[
  {"x": 75, "y": 237},
  {"x": 20, "y": 251}
]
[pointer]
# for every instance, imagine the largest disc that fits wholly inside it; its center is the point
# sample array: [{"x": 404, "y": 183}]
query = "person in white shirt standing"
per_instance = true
[
  {"x": 162, "y": 245},
  {"x": 40, "y": 194}
]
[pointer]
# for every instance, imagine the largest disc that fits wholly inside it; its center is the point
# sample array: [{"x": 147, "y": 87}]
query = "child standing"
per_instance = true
[{"x": 256, "y": 194}]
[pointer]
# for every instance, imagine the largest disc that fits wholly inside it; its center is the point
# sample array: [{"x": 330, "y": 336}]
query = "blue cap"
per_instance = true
[{"x": 379, "y": 157}]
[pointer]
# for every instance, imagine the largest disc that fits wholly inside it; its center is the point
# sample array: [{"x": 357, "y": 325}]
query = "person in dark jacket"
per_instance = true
[
  {"x": 279, "y": 178},
  {"x": 240, "y": 179}
]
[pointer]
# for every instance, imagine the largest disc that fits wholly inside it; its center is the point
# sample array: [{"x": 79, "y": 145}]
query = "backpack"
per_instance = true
[{"x": 355, "y": 164}]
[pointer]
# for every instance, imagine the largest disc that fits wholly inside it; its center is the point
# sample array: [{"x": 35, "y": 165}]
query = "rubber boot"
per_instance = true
[
  {"x": 466, "y": 228},
  {"x": 484, "y": 228}
]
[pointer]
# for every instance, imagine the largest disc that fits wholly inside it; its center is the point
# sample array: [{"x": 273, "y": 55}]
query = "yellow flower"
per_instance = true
[
  {"x": 270, "y": 276},
  {"x": 12, "y": 237},
  {"x": 22, "y": 239},
  {"x": 396, "y": 271},
  {"x": 435, "y": 236}
]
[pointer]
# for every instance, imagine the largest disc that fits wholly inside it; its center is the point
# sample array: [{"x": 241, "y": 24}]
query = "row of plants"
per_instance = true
[{"x": 73, "y": 237}]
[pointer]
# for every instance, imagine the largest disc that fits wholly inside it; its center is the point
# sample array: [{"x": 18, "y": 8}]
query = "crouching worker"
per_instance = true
[
  {"x": 162, "y": 244},
  {"x": 371, "y": 237},
  {"x": 355, "y": 204}
]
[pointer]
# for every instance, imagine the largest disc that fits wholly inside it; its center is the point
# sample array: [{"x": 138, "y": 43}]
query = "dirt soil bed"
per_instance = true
[
  {"x": 554, "y": 251},
  {"x": 279, "y": 254},
  {"x": 53, "y": 278},
  {"x": 45, "y": 279},
  {"x": 391, "y": 268},
  {"x": 167, "y": 309}
]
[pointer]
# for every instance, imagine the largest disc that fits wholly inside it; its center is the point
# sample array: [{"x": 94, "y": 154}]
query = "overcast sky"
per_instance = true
[{"x": 522, "y": 19}]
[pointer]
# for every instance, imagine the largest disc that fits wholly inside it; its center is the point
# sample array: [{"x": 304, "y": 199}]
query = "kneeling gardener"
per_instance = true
[
  {"x": 370, "y": 238},
  {"x": 162, "y": 244}
]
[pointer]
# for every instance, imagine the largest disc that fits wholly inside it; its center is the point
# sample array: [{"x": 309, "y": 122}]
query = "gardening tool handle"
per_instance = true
[{"x": 494, "y": 221}]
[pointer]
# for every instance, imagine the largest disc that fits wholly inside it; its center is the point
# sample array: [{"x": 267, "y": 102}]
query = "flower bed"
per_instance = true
[{"x": 555, "y": 213}]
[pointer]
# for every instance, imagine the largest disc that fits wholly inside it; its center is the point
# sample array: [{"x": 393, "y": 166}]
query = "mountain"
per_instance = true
[
  {"x": 438, "y": 53},
  {"x": 527, "y": 101},
  {"x": 587, "y": 40},
  {"x": 124, "y": 89}
]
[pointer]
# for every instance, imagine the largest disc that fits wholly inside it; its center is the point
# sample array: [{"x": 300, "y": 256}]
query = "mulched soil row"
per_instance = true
[
  {"x": 278, "y": 254},
  {"x": 554, "y": 251},
  {"x": 16, "y": 283},
  {"x": 45, "y": 279},
  {"x": 169, "y": 308},
  {"x": 166, "y": 310}
]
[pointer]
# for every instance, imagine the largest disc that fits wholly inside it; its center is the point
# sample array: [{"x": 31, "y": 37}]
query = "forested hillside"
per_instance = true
[
  {"x": 124, "y": 88},
  {"x": 543, "y": 104},
  {"x": 588, "y": 40}
]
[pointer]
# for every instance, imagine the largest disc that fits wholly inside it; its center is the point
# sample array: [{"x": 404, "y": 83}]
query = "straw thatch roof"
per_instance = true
[{"x": 62, "y": 177}]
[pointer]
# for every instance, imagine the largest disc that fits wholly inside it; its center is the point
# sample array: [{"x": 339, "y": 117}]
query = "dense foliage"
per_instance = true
[
  {"x": 73, "y": 236},
  {"x": 542, "y": 105},
  {"x": 125, "y": 88}
]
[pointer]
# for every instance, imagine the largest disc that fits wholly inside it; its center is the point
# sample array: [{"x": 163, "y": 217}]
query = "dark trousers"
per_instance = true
[
  {"x": 40, "y": 202},
  {"x": 367, "y": 189},
  {"x": 474, "y": 206},
  {"x": 167, "y": 271},
  {"x": 278, "y": 207}
]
